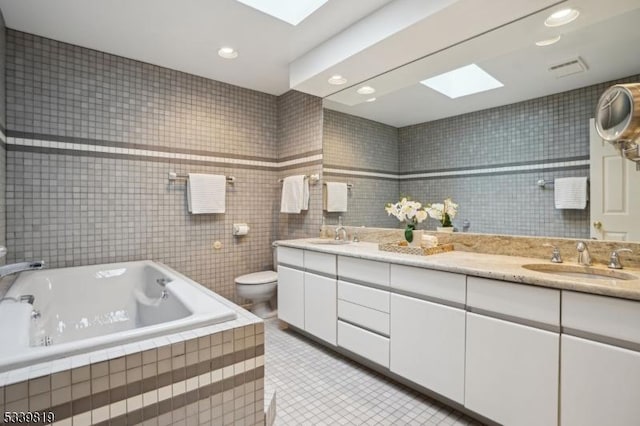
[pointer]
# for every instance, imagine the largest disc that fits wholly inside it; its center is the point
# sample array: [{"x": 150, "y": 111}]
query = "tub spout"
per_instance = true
[{"x": 14, "y": 268}]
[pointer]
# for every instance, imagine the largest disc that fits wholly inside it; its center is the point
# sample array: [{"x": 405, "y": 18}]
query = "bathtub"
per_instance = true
[{"x": 82, "y": 309}]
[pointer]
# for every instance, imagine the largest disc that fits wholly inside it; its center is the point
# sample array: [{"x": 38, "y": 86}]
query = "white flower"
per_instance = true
[
  {"x": 421, "y": 215},
  {"x": 436, "y": 210},
  {"x": 405, "y": 210},
  {"x": 450, "y": 208}
]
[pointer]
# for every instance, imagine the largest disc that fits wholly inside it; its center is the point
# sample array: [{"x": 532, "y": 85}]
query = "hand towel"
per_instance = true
[
  {"x": 335, "y": 197},
  {"x": 305, "y": 194},
  {"x": 571, "y": 193},
  {"x": 293, "y": 194},
  {"x": 206, "y": 193}
]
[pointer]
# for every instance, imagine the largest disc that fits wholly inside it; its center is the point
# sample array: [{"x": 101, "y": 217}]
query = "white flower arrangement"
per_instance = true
[
  {"x": 443, "y": 212},
  {"x": 406, "y": 210}
]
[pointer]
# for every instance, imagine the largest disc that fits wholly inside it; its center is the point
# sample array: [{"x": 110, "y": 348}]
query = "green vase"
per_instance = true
[{"x": 408, "y": 232}]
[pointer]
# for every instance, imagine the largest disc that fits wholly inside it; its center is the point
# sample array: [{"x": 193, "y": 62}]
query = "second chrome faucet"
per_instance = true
[{"x": 584, "y": 258}]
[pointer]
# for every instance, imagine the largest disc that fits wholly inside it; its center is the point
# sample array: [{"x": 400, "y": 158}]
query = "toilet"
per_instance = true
[{"x": 260, "y": 289}]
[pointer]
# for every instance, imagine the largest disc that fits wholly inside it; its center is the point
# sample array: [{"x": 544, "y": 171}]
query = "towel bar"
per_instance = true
[
  {"x": 542, "y": 182},
  {"x": 312, "y": 178},
  {"x": 175, "y": 176},
  {"x": 349, "y": 186}
]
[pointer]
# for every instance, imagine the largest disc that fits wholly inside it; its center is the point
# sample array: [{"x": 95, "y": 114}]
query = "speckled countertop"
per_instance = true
[{"x": 500, "y": 267}]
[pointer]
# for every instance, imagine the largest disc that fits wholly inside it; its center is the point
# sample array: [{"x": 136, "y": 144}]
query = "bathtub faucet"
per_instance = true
[{"x": 14, "y": 268}]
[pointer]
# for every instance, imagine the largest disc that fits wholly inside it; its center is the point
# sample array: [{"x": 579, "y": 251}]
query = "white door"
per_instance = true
[
  {"x": 600, "y": 384},
  {"x": 291, "y": 296},
  {"x": 427, "y": 345},
  {"x": 511, "y": 372},
  {"x": 320, "y": 301},
  {"x": 615, "y": 192}
]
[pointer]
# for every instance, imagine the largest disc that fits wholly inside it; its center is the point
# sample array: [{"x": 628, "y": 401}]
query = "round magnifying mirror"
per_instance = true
[{"x": 618, "y": 113}]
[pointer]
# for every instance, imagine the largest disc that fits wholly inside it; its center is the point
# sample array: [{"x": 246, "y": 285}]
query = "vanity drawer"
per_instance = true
[
  {"x": 427, "y": 282},
  {"x": 320, "y": 262},
  {"x": 364, "y": 343},
  {"x": 362, "y": 270},
  {"x": 364, "y": 296},
  {"x": 605, "y": 316},
  {"x": 290, "y": 256},
  {"x": 522, "y": 301},
  {"x": 366, "y": 317}
]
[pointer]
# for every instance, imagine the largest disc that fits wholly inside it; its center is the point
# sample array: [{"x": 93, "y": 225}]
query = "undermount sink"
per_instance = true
[
  {"x": 329, "y": 241},
  {"x": 575, "y": 271}
]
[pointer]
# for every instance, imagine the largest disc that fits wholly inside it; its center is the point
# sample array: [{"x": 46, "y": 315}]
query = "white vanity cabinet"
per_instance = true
[
  {"x": 363, "y": 308},
  {"x": 427, "y": 337},
  {"x": 600, "y": 382},
  {"x": 512, "y": 352},
  {"x": 307, "y": 290}
]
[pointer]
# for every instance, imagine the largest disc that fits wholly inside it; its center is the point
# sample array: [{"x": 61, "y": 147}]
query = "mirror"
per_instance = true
[{"x": 488, "y": 150}]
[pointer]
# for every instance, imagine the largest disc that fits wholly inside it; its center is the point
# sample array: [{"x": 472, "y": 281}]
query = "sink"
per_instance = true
[
  {"x": 329, "y": 241},
  {"x": 575, "y": 271}
]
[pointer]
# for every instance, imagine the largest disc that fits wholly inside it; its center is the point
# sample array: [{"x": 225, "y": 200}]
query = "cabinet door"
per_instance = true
[
  {"x": 291, "y": 296},
  {"x": 320, "y": 316},
  {"x": 511, "y": 372},
  {"x": 600, "y": 384},
  {"x": 427, "y": 345}
]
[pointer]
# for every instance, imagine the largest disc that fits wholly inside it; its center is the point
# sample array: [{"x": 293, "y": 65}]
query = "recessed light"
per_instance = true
[
  {"x": 337, "y": 80},
  {"x": 366, "y": 90},
  {"x": 371, "y": 100},
  {"x": 227, "y": 53},
  {"x": 548, "y": 42},
  {"x": 561, "y": 17},
  {"x": 291, "y": 11},
  {"x": 463, "y": 81}
]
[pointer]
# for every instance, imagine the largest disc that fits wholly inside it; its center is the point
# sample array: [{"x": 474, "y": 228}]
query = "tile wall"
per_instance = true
[
  {"x": 299, "y": 152},
  {"x": 92, "y": 137},
  {"x": 3, "y": 127},
  {"x": 364, "y": 153}
]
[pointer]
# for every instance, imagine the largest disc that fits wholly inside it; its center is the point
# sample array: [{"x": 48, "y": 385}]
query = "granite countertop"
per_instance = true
[{"x": 499, "y": 267}]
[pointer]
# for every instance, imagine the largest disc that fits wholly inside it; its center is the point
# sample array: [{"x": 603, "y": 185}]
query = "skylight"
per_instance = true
[
  {"x": 463, "y": 81},
  {"x": 290, "y": 11}
]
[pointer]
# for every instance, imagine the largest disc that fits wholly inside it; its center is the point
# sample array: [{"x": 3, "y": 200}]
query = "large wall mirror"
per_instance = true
[{"x": 398, "y": 134}]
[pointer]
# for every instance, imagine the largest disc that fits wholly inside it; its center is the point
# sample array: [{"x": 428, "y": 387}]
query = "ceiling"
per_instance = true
[
  {"x": 356, "y": 38},
  {"x": 185, "y": 35},
  {"x": 605, "y": 37}
]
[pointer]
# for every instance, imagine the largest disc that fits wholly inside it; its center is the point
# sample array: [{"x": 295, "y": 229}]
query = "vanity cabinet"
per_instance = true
[
  {"x": 600, "y": 381},
  {"x": 291, "y": 295},
  {"x": 512, "y": 352},
  {"x": 428, "y": 338},
  {"x": 307, "y": 289},
  {"x": 363, "y": 308}
]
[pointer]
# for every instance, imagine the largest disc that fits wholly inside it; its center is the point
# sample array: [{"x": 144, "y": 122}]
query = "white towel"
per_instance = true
[
  {"x": 335, "y": 197},
  {"x": 295, "y": 194},
  {"x": 206, "y": 193},
  {"x": 571, "y": 193}
]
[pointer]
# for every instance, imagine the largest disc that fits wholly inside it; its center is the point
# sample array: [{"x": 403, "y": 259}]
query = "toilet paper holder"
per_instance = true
[{"x": 240, "y": 229}]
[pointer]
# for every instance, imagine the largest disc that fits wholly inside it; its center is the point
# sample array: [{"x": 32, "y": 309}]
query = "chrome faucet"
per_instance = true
[
  {"x": 341, "y": 228},
  {"x": 584, "y": 258},
  {"x": 14, "y": 268},
  {"x": 555, "y": 255},
  {"x": 614, "y": 260}
]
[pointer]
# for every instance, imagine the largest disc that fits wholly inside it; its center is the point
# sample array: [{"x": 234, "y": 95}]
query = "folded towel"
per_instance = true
[
  {"x": 293, "y": 194},
  {"x": 571, "y": 193},
  {"x": 335, "y": 197},
  {"x": 206, "y": 193}
]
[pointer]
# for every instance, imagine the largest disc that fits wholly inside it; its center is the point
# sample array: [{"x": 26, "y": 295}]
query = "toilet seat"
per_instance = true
[{"x": 264, "y": 277}]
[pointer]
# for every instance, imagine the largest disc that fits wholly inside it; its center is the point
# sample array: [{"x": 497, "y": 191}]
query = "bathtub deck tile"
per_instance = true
[
  {"x": 134, "y": 360},
  {"x": 80, "y": 360},
  {"x": 99, "y": 356},
  {"x": 149, "y": 356},
  {"x": 131, "y": 348},
  {"x": 39, "y": 385},
  {"x": 99, "y": 369},
  {"x": 60, "y": 365},
  {"x": 40, "y": 370},
  {"x": 81, "y": 374},
  {"x": 117, "y": 365},
  {"x": 18, "y": 375}
]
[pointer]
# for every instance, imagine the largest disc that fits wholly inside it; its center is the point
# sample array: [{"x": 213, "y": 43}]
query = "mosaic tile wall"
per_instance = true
[
  {"x": 549, "y": 129},
  {"x": 300, "y": 137},
  {"x": 210, "y": 375},
  {"x": 354, "y": 146},
  {"x": 3, "y": 126},
  {"x": 113, "y": 202}
]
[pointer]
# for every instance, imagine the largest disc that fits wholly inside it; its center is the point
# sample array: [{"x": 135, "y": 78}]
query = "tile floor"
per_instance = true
[{"x": 316, "y": 386}]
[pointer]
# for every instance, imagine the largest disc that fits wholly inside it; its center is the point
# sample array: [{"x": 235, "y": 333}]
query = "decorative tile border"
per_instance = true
[
  {"x": 559, "y": 164},
  {"x": 162, "y": 154}
]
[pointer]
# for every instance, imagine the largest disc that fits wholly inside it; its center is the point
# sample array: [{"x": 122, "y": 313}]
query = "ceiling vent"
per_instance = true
[{"x": 573, "y": 66}]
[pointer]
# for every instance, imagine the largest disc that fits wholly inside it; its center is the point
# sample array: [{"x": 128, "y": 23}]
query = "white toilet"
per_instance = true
[{"x": 260, "y": 288}]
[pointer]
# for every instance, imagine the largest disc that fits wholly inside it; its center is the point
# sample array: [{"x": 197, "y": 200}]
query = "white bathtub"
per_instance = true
[{"x": 93, "y": 307}]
